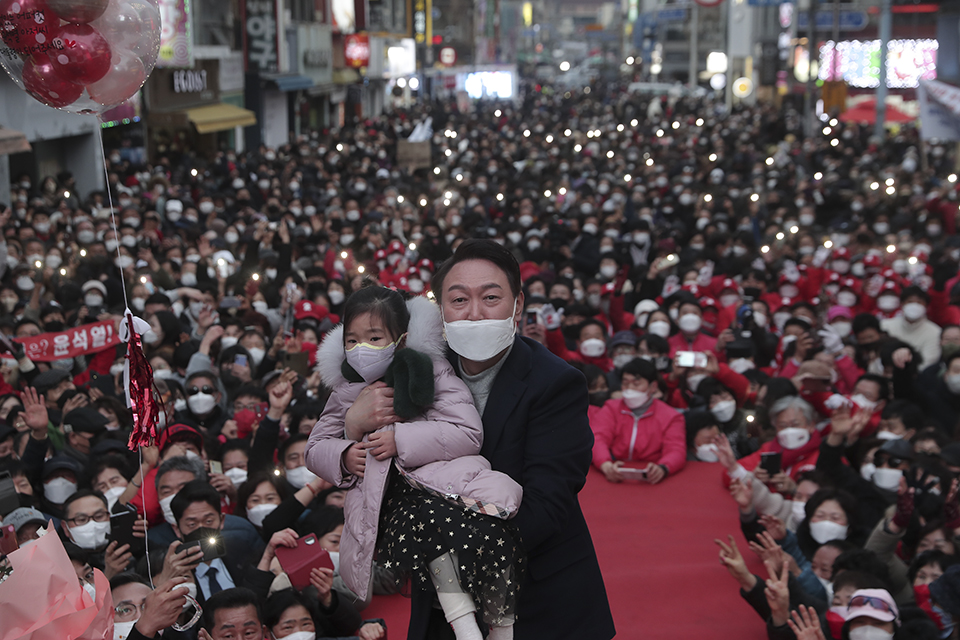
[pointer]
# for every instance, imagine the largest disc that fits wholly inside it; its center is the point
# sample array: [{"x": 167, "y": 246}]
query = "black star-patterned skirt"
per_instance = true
[{"x": 417, "y": 527}]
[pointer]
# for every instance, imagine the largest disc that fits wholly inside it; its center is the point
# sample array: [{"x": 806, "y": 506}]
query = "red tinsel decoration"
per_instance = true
[{"x": 140, "y": 391}]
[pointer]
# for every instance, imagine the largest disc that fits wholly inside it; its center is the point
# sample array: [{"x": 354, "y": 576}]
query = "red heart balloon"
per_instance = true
[
  {"x": 80, "y": 53},
  {"x": 42, "y": 80},
  {"x": 28, "y": 26}
]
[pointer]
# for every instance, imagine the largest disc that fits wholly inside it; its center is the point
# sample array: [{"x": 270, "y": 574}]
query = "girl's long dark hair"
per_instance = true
[{"x": 386, "y": 305}]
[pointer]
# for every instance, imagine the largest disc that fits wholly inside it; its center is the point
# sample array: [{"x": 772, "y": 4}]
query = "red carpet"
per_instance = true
[{"x": 659, "y": 562}]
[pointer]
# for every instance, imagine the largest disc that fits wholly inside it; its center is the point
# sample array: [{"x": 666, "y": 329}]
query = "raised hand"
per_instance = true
[
  {"x": 777, "y": 593},
  {"x": 322, "y": 579},
  {"x": 774, "y": 526},
  {"x": 731, "y": 558},
  {"x": 805, "y": 624},
  {"x": 768, "y": 549},
  {"x": 742, "y": 493},
  {"x": 35, "y": 413}
]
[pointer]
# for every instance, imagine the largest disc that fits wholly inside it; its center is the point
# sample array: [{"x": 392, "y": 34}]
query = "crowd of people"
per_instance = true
[{"x": 732, "y": 292}]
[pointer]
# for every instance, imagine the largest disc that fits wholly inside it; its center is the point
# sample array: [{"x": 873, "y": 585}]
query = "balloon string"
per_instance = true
[
  {"x": 113, "y": 216},
  {"x": 143, "y": 501}
]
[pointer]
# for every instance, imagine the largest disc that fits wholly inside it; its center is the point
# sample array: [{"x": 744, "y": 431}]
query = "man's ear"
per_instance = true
[
  {"x": 176, "y": 530},
  {"x": 518, "y": 314},
  {"x": 223, "y": 521}
]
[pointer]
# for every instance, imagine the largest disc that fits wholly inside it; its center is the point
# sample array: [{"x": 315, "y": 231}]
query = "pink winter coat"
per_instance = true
[{"x": 439, "y": 448}]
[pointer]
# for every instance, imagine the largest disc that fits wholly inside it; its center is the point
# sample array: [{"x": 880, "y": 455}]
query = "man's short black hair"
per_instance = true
[
  {"x": 909, "y": 413},
  {"x": 914, "y": 291},
  {"x": 235, "y": 598},
  {"x": 863, "y": 321},
  {"x": 253, "y": 391},
  {"x": 592, "y": 321},
  {"x": 193, "y": 492},
  {"x": 641, "y": 368},
  {"x": 481, "y": 249},
  {"x": 83, "y": 493},
  {"x": 882, "y": 383},
  {"x": 128, "y": 577}
]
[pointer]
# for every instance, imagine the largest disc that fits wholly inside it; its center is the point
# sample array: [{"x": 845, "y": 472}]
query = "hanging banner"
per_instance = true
[
  {"x": 260, "y": 42},
  {"x": 176, "y": 47},
  {"x": 939, "y": 110},
  {"x": 82, "y": 340}
]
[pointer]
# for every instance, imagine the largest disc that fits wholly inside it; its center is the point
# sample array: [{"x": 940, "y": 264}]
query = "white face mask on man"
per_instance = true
[{"x": 480, "y": 340}]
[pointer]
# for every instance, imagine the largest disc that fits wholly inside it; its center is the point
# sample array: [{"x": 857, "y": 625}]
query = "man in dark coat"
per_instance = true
[{"x": 534, "y": 409}]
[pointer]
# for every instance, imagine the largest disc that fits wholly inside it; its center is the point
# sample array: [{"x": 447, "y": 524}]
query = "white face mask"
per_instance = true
[
  {"x": 690, "y": 323},
  {"x": 188, "y": 279},
  {"x": 91, "y": 590},
  {"x": 237, "y": 475},
  {"x": 825, "y": 531},
  {"x": 593, "y": 348},
  {"x": 93, "y": 300},
  {"x": 369, "y": 361},
  {"x": 846, "y": 299},
  {"x": 870, "y": 633},
  {"x": 112, "y": 495},
  {"x": 335, "y": 296},
  {"x": 608, "y": 271},
  {"x": 723, "y": 411},
  {"x": 914, "y": 311},
  {"x": 842, "y": 328},
  {"x": 189, "y": 587},
  {"x": 257, "y": 354},
  {"x": 888, "y": 435},
  {"x": 621, "y": 359},
  {"x": 867, "y": 471},
  {"x": 270, "y": 273},
  {"x": 167, "y": 511},
  {"x": 256, "y": 514},
  {"x": 58, "y": 490},
  {"x": 789, "y": 290},
  {"x": 260, "y": 306},
  {"x": 888, "y": 479},
  {"x": 888, "y": 303},
  {"x": 635, "y": 399},
  {"x": 863, "y": 402},
  {"x": 953, "y": 382},
  {"x": 798, "y": 509},
  {"x": 92, "y": 535},
  {"x": 201, "y": 403},
  {"x": 707, "y": 453},
  {"x": 122, "y": 630},
  {"x": 300, "y": 477},
  {"x": 301, "y": 635},
  {"x": 228, "y": 341},
  {"x": 659, "y": 328},
  {"x": 480, "y": 340},
  {"x": 179, "y": 404},
  {"x": 793, "y": 437},
  {"x": 150, "y": 338}
]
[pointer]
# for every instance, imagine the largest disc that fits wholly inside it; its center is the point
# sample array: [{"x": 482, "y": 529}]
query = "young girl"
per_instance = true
[{"x": 422, "y": 497}]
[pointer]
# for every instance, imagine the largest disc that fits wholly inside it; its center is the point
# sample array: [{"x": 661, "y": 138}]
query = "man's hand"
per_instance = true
[
  {"x": 371, "y": 631},
  {"x": 611, "y": 470},
  {"x": 206, "y": 319},
  {"x": 355, "y": 459},
  {"x": 116, "y": 559},
  {"x": 902, "y": 357},
  {"x": 162, "y": 608},
  {"x": 383, "y": 445},
  {"x": 777, "y": 592},
  {"x": 783, "y": 483},
  {"x": 768, "y": 549},
  {"x": 140, "y": 528},
  {"x": 655, "y": 473},
  {"x": 761, "y": 475},
  {"x": 372, "y": 410},
  {"x": 179, "y": 565},
  {"x": 730, "y": 558},
  {"x": 282, "y": 538},
  {"x": 35, "y": 413},
  {"x": 322, "y": 579}
]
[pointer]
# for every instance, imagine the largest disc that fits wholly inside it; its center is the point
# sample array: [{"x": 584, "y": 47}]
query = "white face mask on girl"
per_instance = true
[{"x": 370, "y": 361}]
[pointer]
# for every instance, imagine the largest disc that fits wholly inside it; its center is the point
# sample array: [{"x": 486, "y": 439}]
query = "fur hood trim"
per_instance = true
[{"x": 424, "y": 334}]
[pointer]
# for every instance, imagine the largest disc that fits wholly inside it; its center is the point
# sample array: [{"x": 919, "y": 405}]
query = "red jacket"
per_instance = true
[
  {"x": 793, "y": 463},
  {"x": 658, "y": 436},
  {"x": 702, "y": 343}
]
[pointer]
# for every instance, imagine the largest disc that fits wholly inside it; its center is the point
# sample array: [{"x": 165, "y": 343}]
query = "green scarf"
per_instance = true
[{"x": 411, "y": 376}]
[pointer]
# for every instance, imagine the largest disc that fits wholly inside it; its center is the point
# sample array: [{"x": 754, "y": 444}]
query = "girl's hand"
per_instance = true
[
  {"x": 355, "y": 459},
  {"x": 383, "y": 445}
]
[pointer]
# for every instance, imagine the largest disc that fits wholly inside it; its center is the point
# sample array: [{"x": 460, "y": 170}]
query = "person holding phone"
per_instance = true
[{"x": 638, "y": 431}]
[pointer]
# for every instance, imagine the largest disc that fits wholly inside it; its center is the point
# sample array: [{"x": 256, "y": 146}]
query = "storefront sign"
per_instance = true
[
  {"x": 189, "y": 81},
  {"x": 260, "y": 43},
  {"x": 85, "y": 339},
  {"x": 176, "y": 47},
  {"x": 315, "y": 50},
  {"x": 175, "y": 89},
  {"x": 357, "y": 50}
]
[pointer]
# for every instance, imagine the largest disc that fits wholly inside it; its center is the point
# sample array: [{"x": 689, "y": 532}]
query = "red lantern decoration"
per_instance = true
[
  {"x": 28, "y": 26},
  {"x": 43, "y": 81},
  {"x": 81, "y": 53}
]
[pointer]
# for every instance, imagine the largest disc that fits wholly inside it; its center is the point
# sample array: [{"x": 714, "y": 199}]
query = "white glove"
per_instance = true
[
  {"x": 832, "y": 341},
  {"x": 820, "y": 256},
  {"x": 836, "y": 401},
  {"x": 552, "y": 318}
]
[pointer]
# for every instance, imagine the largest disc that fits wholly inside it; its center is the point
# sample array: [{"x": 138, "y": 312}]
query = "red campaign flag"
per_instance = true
[{"x": 82, "y": 340}]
